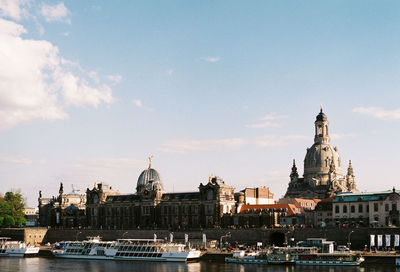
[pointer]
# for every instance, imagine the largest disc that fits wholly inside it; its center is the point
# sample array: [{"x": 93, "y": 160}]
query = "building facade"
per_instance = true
[
  {"x": 258, "y": 196},
  {"x": 65, "y": 210},
  {"x": 263, "y": 215},
  {"x": 368, "y": 209},
  {"x": 322, "y": 176},
  {"x": 152, "y": 207}
]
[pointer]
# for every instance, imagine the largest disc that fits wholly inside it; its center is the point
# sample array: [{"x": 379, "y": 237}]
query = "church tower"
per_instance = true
[
  {"x": 321, "y": 129},
  {"x": 322, "y": 167},
  {"x": 350, "y": 179}
]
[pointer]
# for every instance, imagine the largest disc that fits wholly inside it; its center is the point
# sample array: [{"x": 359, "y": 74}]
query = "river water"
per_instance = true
[{"x": 64, "y": 265}]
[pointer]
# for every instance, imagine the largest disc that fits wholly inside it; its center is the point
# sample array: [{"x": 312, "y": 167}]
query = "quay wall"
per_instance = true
[
  {"x": 359, "y": 237},
  {"x": 31, "y": 236}
]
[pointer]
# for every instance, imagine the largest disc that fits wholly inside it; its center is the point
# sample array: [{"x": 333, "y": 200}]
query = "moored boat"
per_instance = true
[
  {"x": 240, "y": 256},
  {"x": 348, "y": 258},
  {"x": 10, "y": 248},
  {"x": 126, "y": 249}
]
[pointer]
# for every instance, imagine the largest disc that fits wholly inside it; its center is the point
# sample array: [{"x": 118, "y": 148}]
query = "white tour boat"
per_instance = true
[
  {"x": 16, "y": 248},
  {"x": 126, "y": 249},
  {"x": 240, "y": 256}
]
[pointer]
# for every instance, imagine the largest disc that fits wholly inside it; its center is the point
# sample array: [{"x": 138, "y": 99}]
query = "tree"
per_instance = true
[
  {"x": 12, "y": 210},
  {"x": 16, "y": 202},
  {"x": 8, "y": 221},
  {"x": 5, "y": 209}
]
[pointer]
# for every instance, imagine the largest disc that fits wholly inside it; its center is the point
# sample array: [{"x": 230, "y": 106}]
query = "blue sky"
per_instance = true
[{"x": 90, "y": 89}]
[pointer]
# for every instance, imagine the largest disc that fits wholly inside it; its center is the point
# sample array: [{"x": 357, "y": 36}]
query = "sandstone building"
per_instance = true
[
  {"x": 376, "y": 209},
  {"x": 322, "y": 176},
  {"x": 65, "y": 210},
  {"x": 152, "y": 207}
]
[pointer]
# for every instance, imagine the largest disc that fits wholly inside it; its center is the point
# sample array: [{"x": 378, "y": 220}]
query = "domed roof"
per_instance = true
[
  {"x": 319, "y": 158},
  {"x": 149, "y": 176},
  {"x": 321, "y": 116}
]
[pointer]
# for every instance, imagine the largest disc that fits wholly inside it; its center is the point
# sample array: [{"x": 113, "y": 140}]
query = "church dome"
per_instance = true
[
  {"x": 148, "y": 177},
  {"x": 319, "y": 158}
]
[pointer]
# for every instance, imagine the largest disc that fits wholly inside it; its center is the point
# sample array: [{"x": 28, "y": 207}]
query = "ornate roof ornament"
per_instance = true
[{"x": 350, "y": 171}]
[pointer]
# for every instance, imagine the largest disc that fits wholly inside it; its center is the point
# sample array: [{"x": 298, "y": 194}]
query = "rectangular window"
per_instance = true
[
  {"x": 352, "y": 208},
  {"x": 344, "y": 209},
  {"x": 367, "y": 207},
  {"x": 386, "y": 207},
  {"x": 336, "y": 208},
  {"x": 376, "y": 207},
  {"x": 360, "y": 208},
  {"x": 394, "y": 206}
]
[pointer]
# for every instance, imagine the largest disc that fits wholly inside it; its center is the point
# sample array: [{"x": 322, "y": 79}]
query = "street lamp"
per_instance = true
[
  {"x": 123, "y": 235},
  {"x": 348, "y": 239},
  {"x": 223, "y": 236}
]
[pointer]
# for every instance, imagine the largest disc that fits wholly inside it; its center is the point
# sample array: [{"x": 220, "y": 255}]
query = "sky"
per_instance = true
[{"x": 90, "y": 89}]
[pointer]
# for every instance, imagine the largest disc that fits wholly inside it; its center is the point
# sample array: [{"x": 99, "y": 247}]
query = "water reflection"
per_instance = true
[{"x": 47, "y": 265}]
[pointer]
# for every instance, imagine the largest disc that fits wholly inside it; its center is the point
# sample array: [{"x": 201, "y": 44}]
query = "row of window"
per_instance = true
[
  {"x": 360, "y": 208},
  {"x": 130, "y": 254},
  {"x": 138, "y": 248},
  {"x": 194, "y": 209}
]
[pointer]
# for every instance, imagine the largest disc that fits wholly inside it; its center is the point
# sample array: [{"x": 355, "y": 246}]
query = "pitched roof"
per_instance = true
[
  {"x": 358, "y": 197},
  {"x": 291, "y": 208}
]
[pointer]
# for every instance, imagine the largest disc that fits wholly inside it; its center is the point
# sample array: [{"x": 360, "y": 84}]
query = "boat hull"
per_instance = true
[
  {"x": 246, "y": 260},
  {"x": 327, "y": 262},
  {"x": 166, "y": 257}
]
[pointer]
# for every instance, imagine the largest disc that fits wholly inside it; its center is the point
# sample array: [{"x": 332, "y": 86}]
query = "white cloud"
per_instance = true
[
  {"x": 379, "y": 113},
  {"x": 36, "y": 83},
  {"x": 263, "y": 125},
  {"x": 18, "y": 159},
  {"x": 274, "y": 116},
  {"x": 337, "y": 136},
  {"x": 138, "y": 103},
  {"x": 211, "y": 59},
  {"x": 268, "y": 121},
  {"x": 14, "y": 9},
  {"x": 115, "y": 79},
  {"x": 83, "y": 171},
  {"x": 275, "y": 140},
  {"x": 15, "y": 159},
  {"x": 181, "y": 146},
  {"x": 55, "y": 13}
]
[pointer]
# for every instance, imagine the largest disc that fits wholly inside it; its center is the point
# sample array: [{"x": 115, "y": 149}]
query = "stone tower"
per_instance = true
[{"x": 322, "y": 168}]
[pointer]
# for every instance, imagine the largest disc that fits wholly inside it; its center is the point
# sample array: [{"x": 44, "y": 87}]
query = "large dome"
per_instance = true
[
  {"x": 319, "y": 158},
  {"x": 149, "y": 178}
]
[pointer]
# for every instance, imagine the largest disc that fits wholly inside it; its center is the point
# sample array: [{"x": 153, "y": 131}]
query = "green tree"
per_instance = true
[
  {"x": 8, "y": 221},
  {"x": 16, "y": 202},
  {"x": 12, "y": 206},
  {"x": 5, "y": 209}
]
